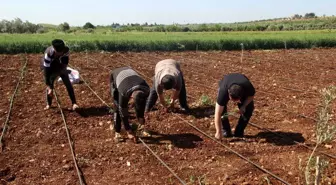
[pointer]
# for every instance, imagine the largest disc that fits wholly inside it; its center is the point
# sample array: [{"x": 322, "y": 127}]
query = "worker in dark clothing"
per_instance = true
[
  {"x": 238, "y": 88},
  {"x": 55, "y": 61},
  {"x": 126, "y": 84},
  {"x": 168, "y": 76}
]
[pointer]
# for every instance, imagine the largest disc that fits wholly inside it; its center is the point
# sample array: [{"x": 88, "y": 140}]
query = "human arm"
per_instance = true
[
  {"x": 218, "y": 112},
  {"x": 175, "y": 96},
  {"x": 247, "y": 101}
]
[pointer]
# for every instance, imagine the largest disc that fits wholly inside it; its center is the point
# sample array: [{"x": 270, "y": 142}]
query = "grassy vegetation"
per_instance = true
[{"x": 169, "y": 41}]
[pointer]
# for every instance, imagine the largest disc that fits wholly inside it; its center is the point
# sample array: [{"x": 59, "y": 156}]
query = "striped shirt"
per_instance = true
[
  {"x": 126, "y": 80},
  {"x": 167, "y": 67},
  {"x": 53, "y": 60}
]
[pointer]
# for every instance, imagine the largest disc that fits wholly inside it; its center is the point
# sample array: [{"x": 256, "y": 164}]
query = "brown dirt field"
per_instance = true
[{"x": 287, "y": 82}]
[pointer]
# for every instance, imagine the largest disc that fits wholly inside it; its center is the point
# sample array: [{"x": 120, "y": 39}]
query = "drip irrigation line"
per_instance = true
[
  {"x": 162, "y": 162},
  {"x": 92, "y": 89},
  {"x": 296, "y": 142},
  {"x": 287, "y": 88},
  {"x": 71, "y": 144},
  {"x": 153, "y": 153},
  {"x": 264, "y": 92},
  {"x": 233, "y": 151},
  {"x": 4, "y": 127},
  {"x": 301, "y": 144},
  {"x": 134, "y": 70}
]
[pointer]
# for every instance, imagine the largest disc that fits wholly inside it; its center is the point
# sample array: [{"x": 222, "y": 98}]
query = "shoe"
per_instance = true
[
  {"x": 132, "y": 136},
  {"x": 74, "y": 107},
  {"x": 47, "y": 107},
  {"x": 227, "y": 134},
  {"x": 145, "y": 133},
  {"x": 118, "y": 138},
  {"x": 185, "y": 110},
  {"x": 141, "y": 127}
]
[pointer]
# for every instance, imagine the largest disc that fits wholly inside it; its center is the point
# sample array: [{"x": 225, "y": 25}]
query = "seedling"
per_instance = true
[
  {"x": 206, "y": 100},
  {"x": 325, "y": 133}
]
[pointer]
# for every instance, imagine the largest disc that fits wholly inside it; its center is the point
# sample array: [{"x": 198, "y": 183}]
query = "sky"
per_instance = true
[{"x": 106, "y": 12}]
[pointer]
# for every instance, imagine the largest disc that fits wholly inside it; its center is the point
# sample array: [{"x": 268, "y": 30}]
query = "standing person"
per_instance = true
[
  {"x": 168, "y": 75},
  {"x": 55, "y": 61},
  {"x": 238, "y": 88},
  {"x": 126, "y": 84}
]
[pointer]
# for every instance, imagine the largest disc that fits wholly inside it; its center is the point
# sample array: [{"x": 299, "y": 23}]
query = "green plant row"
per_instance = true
[{"x": 36, "y": 43}]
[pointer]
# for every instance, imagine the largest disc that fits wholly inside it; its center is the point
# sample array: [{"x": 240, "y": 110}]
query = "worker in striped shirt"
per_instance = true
[
  {"x": 168, "y": 75},
  {"x": 55, "y": 61},
  {"x": 126, "y": 84}
]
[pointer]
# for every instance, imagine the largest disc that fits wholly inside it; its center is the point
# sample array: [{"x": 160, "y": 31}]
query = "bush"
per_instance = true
[
  {"x": 90, "y": 30},
  {"x": 88, "y": 25}
]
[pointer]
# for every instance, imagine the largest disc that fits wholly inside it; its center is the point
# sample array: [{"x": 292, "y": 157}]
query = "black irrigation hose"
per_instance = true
[
  {"x": 295, "y": 113},
  {"x": 162, "y": 162},
  {"x": 23, "y": 70},
  {"x": 79, "y": 172},
  {"x": 296, "y": 142},
  {"x": 284, "y": 79},
  {"x": 288, "y": 88},
  {"x": 231, "y": 150},
  {"x": 93, "y": 90},
  {"x": 209, "y": 87},
  {"x": 134, "y": 70},
  {"x": 155, "y": 155}
]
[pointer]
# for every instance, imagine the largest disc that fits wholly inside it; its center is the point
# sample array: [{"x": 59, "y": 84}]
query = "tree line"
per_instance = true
[{"x": 309, "y": 21}]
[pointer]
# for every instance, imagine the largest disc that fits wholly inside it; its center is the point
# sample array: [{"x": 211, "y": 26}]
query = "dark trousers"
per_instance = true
[
  {"x": 117, "y": 122},
  {"x": 242, "y": 122},
  {"x": 152, "y": 98},
  {"x": 116, "y": 115},
  {"x": 50, "y": 78}
]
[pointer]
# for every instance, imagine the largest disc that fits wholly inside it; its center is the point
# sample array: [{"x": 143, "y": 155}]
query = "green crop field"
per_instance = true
[{"x": 169, "y": 41}]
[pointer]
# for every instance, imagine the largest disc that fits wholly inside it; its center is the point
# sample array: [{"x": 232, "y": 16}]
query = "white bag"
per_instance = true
[{"x": 73, "y": 76}]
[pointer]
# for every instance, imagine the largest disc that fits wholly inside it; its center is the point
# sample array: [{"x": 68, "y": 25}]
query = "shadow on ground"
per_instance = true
[
  {"x": 186, "y": 140},
  {"x": 93, "y": 111},
  {"x": 280, "y": 138}
]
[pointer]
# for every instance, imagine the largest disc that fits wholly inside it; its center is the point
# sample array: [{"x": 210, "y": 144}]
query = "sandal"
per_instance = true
[
  {"x": 47, "y": 107},
  {"x": 118, "y": 138},
  {"x": 145, "y": 133},
  {"x": 75, "y": 107},
  {"x": 132, "y": 136}
]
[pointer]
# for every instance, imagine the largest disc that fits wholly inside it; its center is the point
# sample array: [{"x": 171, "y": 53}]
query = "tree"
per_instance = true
[
  {"x": 185, "y": 29},
  {"x": 202, "y": 27},
  {"x": 310, "y": 15},
  {"x": 89, "y": 25},
  {"x": 64, "y": 27},
  {"x": 296, "y": 16}
]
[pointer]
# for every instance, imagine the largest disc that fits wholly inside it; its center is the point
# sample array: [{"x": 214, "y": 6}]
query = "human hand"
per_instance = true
[
  {"x": 242, "y": 110},
  {"x": 218, "y": 135},
  {"x": 171, "y": 104},
  {"x": 146, "y": 116},
  {"x": 114, "y": 106},
  {"x": 49, "y": 91},
  {"x": 166, "y": 109}
]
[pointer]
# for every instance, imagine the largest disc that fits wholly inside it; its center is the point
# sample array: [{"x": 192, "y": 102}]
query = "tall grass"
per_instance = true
[{"x": 158, "y": 41}]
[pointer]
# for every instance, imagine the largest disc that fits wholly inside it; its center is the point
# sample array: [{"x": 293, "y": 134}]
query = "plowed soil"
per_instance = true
[{"x": 36, "y": 149}]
